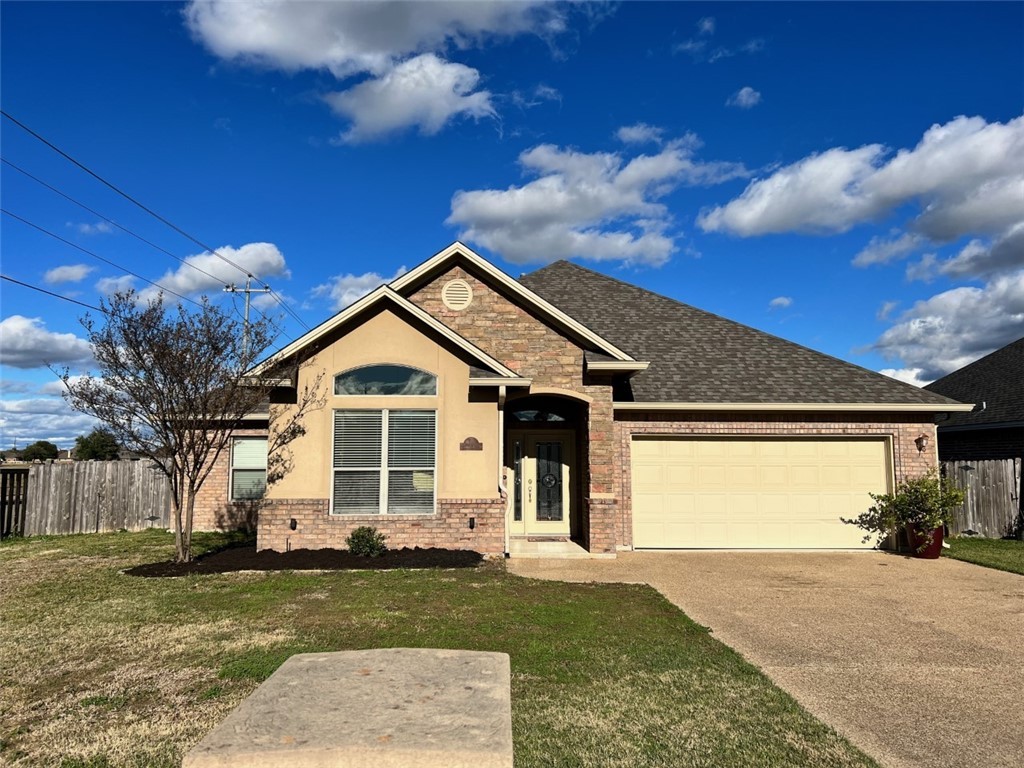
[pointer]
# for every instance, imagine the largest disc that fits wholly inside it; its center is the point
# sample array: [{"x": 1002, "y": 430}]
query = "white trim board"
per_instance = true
[
  {"x": 905, "y": 407},
  {"x": 458, "y": 249}
]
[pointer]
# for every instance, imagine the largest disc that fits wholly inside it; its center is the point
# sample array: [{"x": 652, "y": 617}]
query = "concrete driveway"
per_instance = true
[{"x": 919, "y": 663}]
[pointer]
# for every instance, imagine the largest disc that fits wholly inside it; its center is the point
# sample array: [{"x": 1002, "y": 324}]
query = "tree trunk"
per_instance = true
[
  {"x": 179, "y": 542},
  {"x": 190, "y": 506}
]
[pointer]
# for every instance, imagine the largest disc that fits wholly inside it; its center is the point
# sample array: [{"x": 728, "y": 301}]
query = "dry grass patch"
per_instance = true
[{"x": 102, "y": 669}]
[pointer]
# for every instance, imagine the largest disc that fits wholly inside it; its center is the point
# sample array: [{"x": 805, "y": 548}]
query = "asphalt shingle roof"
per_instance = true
[
  {"x": 996, "y": 380},
  {"x": 696, "y": 356}
]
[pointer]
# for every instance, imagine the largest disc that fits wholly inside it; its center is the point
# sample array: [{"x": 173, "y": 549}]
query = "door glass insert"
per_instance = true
[
  {"x": 549, "y": 481},
  {"x": 517, "y": 491}
]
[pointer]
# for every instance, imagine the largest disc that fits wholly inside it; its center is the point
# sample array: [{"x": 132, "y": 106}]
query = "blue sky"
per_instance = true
[{"x": 847, "y": 176}]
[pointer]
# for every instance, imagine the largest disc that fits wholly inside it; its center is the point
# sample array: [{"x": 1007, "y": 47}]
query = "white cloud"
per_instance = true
[
  {"x": 701, "y": 50},
  {"x": 706, "y": 26},
  {"x": 966, "y": 176},
  {"x": 23, "y": 422},
  {"x": 600, "y": 206},
  {"x": 15, "y": 386},
  {"x": 780, "y": 302},
  {"x": 424, "y": 91},
  {"x": 25, "y": 343},
  {"x": 70, "y": 273},
  {"x": 885, "y": 311},
  {"x": 57, "y": 387},
  {"x": 953, "y": 328},
  {"x": 354, "y": 37},
  {"x": 639, "y": 133},
  {"x": 978, "y": 258},
  {"x": 745, "y": 98},
  {"x": 882, "y": 250},
  {"x": 262, "y": 259},
  {"x": 540, "y": 94},
  {"x": 87, "y": 228},
  {"x": 399, "y": 44},
  {"x": 111, "y": 285},
  {"x": 818, "y": 194},
  {"x": 346, "y": 289},
  {"x": 907, "y": 375}
]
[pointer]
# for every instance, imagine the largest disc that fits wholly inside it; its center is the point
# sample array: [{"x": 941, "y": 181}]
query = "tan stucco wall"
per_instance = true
[{"x": 388, "y": 338}]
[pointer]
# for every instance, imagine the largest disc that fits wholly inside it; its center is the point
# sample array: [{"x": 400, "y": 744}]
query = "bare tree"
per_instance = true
[{"x": 173, "y": 387}]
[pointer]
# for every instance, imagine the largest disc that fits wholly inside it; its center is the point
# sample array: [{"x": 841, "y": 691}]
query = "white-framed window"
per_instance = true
[
  {"x": 384, "y": 462},
  {"x": 248, "y": 468}
]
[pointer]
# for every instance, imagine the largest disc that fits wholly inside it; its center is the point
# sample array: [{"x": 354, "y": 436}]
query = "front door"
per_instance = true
[{"x": 540, "y": 482}]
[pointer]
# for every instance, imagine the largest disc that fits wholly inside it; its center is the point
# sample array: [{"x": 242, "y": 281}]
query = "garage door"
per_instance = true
[{"x": 754, "y": 493}]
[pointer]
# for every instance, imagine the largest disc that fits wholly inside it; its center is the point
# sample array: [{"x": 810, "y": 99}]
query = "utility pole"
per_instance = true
[{"x": 232, "y": 288}]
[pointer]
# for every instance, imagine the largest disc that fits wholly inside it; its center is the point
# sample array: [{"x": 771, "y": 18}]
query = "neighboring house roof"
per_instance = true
[
  {"x": 996, "y": 380},
  {"x": 698, "y": 357}
]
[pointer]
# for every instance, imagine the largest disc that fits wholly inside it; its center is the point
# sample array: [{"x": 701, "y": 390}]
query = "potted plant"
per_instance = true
[{"x": 921, "y": 506}]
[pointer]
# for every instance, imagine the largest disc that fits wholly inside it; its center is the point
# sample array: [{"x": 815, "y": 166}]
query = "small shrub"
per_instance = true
[
  {"x": 922, "y": 503},
  {"x": 365, "y": 541}
]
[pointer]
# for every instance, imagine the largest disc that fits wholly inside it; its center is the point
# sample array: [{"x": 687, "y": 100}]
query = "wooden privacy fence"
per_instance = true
[
  {"x": 992, "y": 505},
  {"x": 13, "y": 494},
  {"x": 96, "y": 496}
]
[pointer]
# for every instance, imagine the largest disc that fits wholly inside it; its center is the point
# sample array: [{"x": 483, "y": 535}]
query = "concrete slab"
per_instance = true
[
  {"x": 917, "y": 662},
  {"x": 386, "y": 708}
]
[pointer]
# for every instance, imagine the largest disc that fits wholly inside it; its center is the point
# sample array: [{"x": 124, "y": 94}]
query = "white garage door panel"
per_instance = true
[{"x": 754, "y": 493}]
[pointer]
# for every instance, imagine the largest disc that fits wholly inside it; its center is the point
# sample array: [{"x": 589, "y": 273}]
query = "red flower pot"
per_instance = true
[{"x": 918, "y": 538}]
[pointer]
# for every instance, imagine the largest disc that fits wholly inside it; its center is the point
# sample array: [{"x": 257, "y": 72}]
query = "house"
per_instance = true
[
  {"x": 995, "y": 428},
  {"x": 467, "y": 409}
]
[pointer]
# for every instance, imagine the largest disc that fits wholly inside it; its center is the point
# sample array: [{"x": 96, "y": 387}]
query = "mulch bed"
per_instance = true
[{"x": 248, "y": 559}]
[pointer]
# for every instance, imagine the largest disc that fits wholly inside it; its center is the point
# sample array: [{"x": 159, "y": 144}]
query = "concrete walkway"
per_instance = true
[{"x": 919, "y": 663}]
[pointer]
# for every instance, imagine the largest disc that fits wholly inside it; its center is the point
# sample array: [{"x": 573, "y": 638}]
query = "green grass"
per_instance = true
[
  {"x": 1002, "y": 554},
  {"x": 102, "y": 669}
]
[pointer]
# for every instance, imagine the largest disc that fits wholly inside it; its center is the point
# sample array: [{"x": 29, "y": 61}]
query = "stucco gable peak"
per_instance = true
[{"x": 383, "y": 294}]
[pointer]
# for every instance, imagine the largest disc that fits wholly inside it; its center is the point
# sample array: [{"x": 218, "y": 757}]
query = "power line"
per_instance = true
[
  {"x": 96, "y": 256},
  {"x": 96, "y": 213},
  {"x": 55, "y": 295},
  {"x": 83, "y": 206},
  {"x": 148, "y": 210}
]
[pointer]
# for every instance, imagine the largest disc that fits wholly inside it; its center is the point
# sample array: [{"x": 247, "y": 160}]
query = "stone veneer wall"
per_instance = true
[
  {"x": 902, "y": 428},
  {"x": 449, "y": 528},
  {"x": 532, "y": 348},
  {"x": 214, "y": 510}
]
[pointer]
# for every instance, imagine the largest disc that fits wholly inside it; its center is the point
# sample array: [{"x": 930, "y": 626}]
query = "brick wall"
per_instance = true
[
  {"x": 602, "y": 514},
  {"x": 977, "y": 445},
  {"x": 316, "y": 528},
  {"x": 902, "y": 429},
  {"x": 214, "y": 510}
]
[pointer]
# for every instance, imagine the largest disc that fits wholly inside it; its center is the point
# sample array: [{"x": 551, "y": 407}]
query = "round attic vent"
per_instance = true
[{"x": 457, "y": 294}]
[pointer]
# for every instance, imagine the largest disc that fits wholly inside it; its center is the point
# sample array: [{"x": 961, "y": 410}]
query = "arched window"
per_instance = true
[{"x": 385, "y": 380}]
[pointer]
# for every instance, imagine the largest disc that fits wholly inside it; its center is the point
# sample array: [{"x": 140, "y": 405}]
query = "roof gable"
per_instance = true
[
  {"x": 698, "y": 357},
  {"x": 997, "y": 380},
  {"x": 458, "y": 252},
  {"x": 385, "y": 295}
]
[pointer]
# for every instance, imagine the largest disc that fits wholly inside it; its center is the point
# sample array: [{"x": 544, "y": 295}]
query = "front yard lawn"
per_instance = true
[
  {"x": 1002, "y": 554},
  {"x": 102, "y": 669}
]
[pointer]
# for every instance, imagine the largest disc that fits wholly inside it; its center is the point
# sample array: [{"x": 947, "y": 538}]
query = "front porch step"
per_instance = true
[{"x": 557, "y": 550}]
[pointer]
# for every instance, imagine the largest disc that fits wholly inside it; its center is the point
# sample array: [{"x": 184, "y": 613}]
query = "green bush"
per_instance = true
[
  {"x": 922, "y": 503},
  {"x": 365, "y": 541}
]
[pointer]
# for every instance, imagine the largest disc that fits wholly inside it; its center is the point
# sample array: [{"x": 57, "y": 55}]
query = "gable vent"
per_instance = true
[{"x": 457, "y": 294}]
